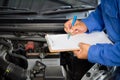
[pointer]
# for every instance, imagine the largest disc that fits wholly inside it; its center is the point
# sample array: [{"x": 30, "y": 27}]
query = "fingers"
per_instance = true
[
  {"x": 82, "y": 45},
  {"x": 67, "y": 26},
  {"x": 77, "y": 53},
  {"x": 79, "y": 27},
  {"x": 83, "y": 52}
]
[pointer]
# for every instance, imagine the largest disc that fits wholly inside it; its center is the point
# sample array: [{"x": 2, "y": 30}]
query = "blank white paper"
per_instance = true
[{"x": 61, "y": 42}]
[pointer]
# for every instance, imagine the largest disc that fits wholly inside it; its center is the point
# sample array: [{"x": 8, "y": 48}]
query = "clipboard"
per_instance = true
[{"x": 60, "y": 42}]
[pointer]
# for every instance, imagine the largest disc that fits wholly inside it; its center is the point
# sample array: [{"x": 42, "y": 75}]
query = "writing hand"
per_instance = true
[{"x": 79, "y": 27}]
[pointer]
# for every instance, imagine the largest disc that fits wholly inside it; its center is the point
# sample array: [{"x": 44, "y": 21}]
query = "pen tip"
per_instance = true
[{"x": 68, "y": 36}]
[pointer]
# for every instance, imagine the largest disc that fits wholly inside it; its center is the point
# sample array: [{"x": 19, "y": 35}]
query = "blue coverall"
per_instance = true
[{"x": 105, "y": 17}]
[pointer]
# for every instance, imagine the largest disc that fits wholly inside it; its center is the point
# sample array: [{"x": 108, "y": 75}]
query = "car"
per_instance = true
[{"x": 24, "y": 52}]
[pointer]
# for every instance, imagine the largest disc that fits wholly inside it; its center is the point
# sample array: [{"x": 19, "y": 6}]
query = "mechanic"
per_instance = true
[{"x": 105, "y": 17}]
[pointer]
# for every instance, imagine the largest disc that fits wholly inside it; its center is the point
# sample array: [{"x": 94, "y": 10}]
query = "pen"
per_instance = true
[{"x": 73, "y": 22}]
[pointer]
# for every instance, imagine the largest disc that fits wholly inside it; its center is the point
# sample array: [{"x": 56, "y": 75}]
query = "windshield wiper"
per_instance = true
[
  {"x": 17, "y": 12},
  {"x": 67, "y": 9},
  {"x": 12, "y": 8},
  {"x": 4, "y": 10},
  {"x": 62, "y": 2}
]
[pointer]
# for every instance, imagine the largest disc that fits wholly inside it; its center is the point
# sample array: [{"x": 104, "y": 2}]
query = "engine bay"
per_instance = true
[
  {"x": 31, "y": 45},
  {"x": 24, "y": 50}
]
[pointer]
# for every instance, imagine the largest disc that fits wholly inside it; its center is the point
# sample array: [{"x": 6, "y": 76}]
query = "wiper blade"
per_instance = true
[
  {"x": 67, "y": 10},
  {"x": 17, "y": 12},
  {"x": 12, "y": 8},
  {"x": 62, "y": 2},
  {"x": 5, "y": 10}
]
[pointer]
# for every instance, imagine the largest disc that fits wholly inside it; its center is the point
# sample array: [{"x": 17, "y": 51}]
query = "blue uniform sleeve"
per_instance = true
[
  {"x": 105, "y": 54},
  {"x": 94, "y": 21}
]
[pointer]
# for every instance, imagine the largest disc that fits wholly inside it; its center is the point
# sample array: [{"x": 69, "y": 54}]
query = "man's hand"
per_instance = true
[
  {"x": 83, "y": 52},
  {"x": 79, "y": 27}
]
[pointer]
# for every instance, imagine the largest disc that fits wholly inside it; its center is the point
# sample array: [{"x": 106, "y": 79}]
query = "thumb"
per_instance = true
[{"x": 81, "y": 44}]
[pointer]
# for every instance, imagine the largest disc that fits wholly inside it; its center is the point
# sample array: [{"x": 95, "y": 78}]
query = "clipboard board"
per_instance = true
[{"x": 60, "y": 42}]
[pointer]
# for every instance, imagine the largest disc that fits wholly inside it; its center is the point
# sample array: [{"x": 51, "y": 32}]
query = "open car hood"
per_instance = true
[{"x": 42, "y": 9}]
